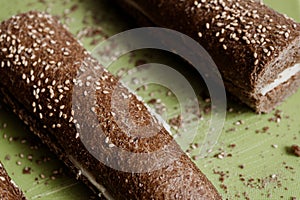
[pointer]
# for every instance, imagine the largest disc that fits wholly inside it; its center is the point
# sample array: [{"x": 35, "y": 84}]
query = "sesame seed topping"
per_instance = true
[
  {"x": 286, "y": 35},
  {"x": 255, "y": 55},
  {"x": 207, "y": 25}
]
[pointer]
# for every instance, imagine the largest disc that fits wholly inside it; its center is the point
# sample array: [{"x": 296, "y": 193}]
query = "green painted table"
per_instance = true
[{"x": 252, "y": 158}]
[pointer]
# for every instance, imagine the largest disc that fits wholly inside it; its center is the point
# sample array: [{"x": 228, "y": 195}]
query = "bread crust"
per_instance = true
[{"x": 8, "y": 189}]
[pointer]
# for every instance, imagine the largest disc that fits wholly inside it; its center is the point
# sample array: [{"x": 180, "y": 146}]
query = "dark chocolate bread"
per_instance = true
[
  {"x": 8, "y": 189},
  {"x": 252, "y": 44},
  {"x": 46, "y": 78}
]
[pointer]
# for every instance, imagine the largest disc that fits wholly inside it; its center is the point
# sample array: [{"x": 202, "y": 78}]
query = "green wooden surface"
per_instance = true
[{"x": 270, "y": 171}]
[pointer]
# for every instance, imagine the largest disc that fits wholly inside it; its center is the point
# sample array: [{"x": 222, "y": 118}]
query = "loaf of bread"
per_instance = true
[
  {"x": 8, "y": 189},
  {"x": 45, "y": 80},
  {"x": 256, "y": 49}
]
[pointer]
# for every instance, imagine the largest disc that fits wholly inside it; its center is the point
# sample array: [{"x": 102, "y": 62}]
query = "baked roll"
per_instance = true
[
  {"x": 42, "y": 67},
  {"x": 8, "y": 189},
  {"x": 256, "y": 49}
]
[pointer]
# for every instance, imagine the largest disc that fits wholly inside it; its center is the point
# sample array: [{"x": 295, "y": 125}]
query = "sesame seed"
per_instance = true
[
  {"x": 286, "y": 35},
  {"x": 200, "y": 34},
  {"x": 224, "y": 47},
  {"x": 71, "y": 119},
  {"x": 255, "y": 55},
  {"x": 256, "y": 62},
  {"x": 207, "y": 25},
  {"x": 219, "y": 24}
]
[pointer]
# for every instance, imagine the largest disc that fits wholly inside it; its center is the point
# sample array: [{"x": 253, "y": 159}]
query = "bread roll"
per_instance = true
[
  {"x": 41, "y": 64},
  {"x": 256, "y": 49}
]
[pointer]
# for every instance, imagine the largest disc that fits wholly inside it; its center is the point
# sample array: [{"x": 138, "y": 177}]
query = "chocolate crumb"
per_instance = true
[
  {"x": 7, "y": 157},
  {"x": 175, "y": 121},
  {"x": 27, "y": 170},
  {"x": 242, "y": 166},
  {"x": 296, "y": 150}
]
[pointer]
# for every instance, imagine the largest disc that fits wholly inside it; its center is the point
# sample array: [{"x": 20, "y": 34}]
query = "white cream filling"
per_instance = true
[
  {"x": 91, "y": 179},
  {"x": 282, "y": 77}
]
